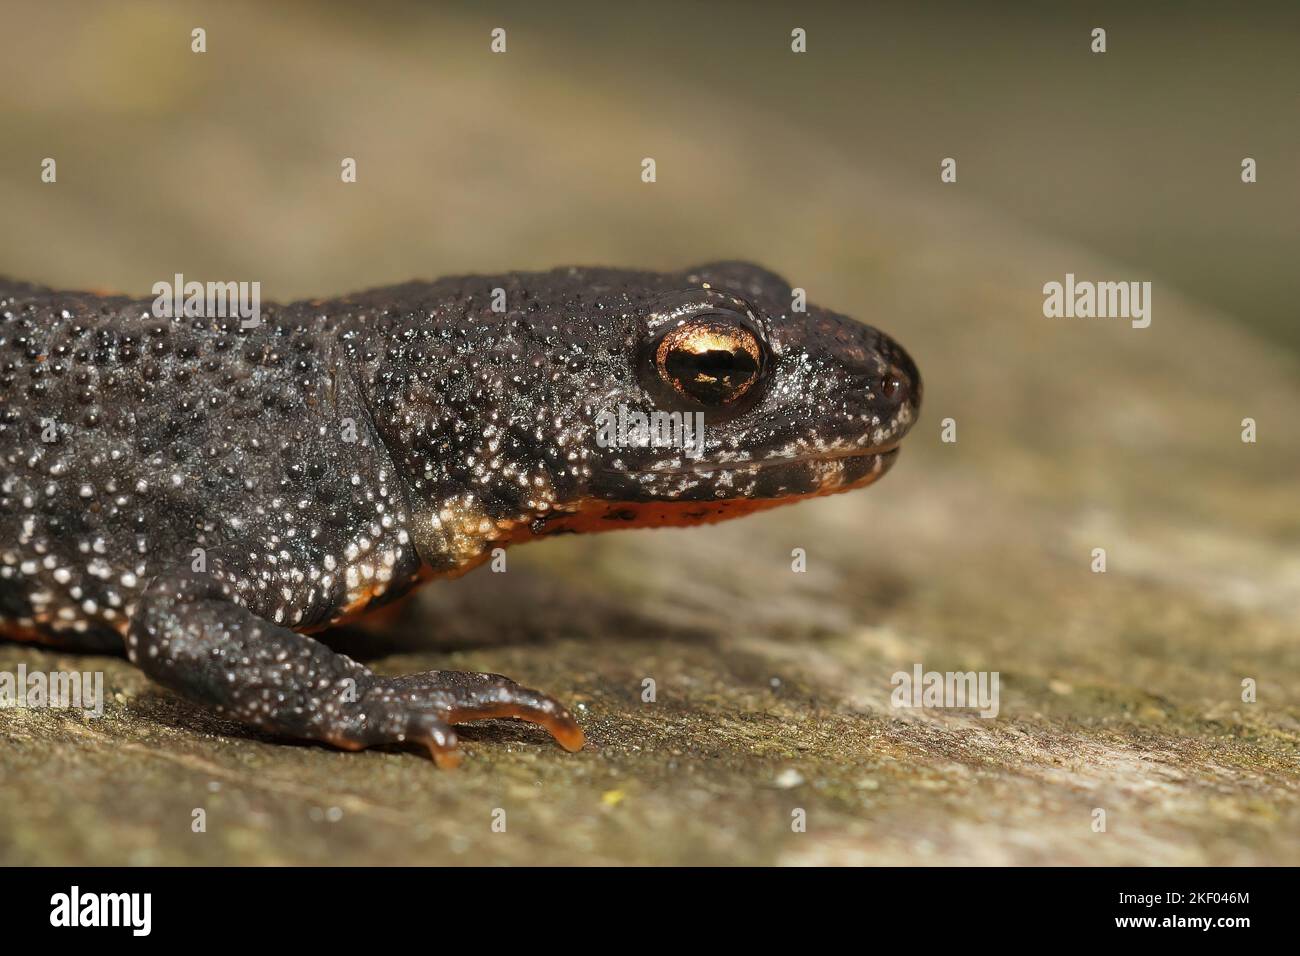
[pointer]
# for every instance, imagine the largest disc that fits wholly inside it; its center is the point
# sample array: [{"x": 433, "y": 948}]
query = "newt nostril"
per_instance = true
[
  {"x": 894, "y": 386},
  {"x": 891, "y": 383},
  {"x": 901, "y": 381}
]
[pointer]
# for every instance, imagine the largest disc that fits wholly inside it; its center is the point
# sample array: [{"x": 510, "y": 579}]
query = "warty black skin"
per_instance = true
[{"x": 205, "y": 493}]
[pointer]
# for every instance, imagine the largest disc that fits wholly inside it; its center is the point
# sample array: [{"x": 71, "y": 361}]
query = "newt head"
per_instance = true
[
  {"x": 769, "y": 404},
  {"x": 597, "y": 399}
]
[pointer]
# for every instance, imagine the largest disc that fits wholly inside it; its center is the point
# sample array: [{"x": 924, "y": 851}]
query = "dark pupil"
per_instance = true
[{"x": 714, "y": 375}]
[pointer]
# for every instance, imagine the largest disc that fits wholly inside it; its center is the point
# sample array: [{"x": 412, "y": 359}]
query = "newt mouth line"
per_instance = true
[{"x": 887, "y": 452}]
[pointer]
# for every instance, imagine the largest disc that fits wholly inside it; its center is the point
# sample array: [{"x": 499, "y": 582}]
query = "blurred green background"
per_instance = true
[{"x": 227, "y": 163}]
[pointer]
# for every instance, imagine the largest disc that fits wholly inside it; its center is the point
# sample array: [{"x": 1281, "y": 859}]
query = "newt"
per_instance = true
[{"x": 206, "y": 496}]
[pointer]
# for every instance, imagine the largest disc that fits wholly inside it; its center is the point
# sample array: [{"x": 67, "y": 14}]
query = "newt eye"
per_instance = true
[{"x": 711, "y": 358}]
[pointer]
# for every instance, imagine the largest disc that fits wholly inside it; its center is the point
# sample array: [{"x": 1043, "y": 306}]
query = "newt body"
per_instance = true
[{"x": 205, "y": 495}]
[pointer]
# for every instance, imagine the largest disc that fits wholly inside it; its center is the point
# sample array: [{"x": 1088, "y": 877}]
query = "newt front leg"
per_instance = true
[{"x": 190, "y": 635}]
